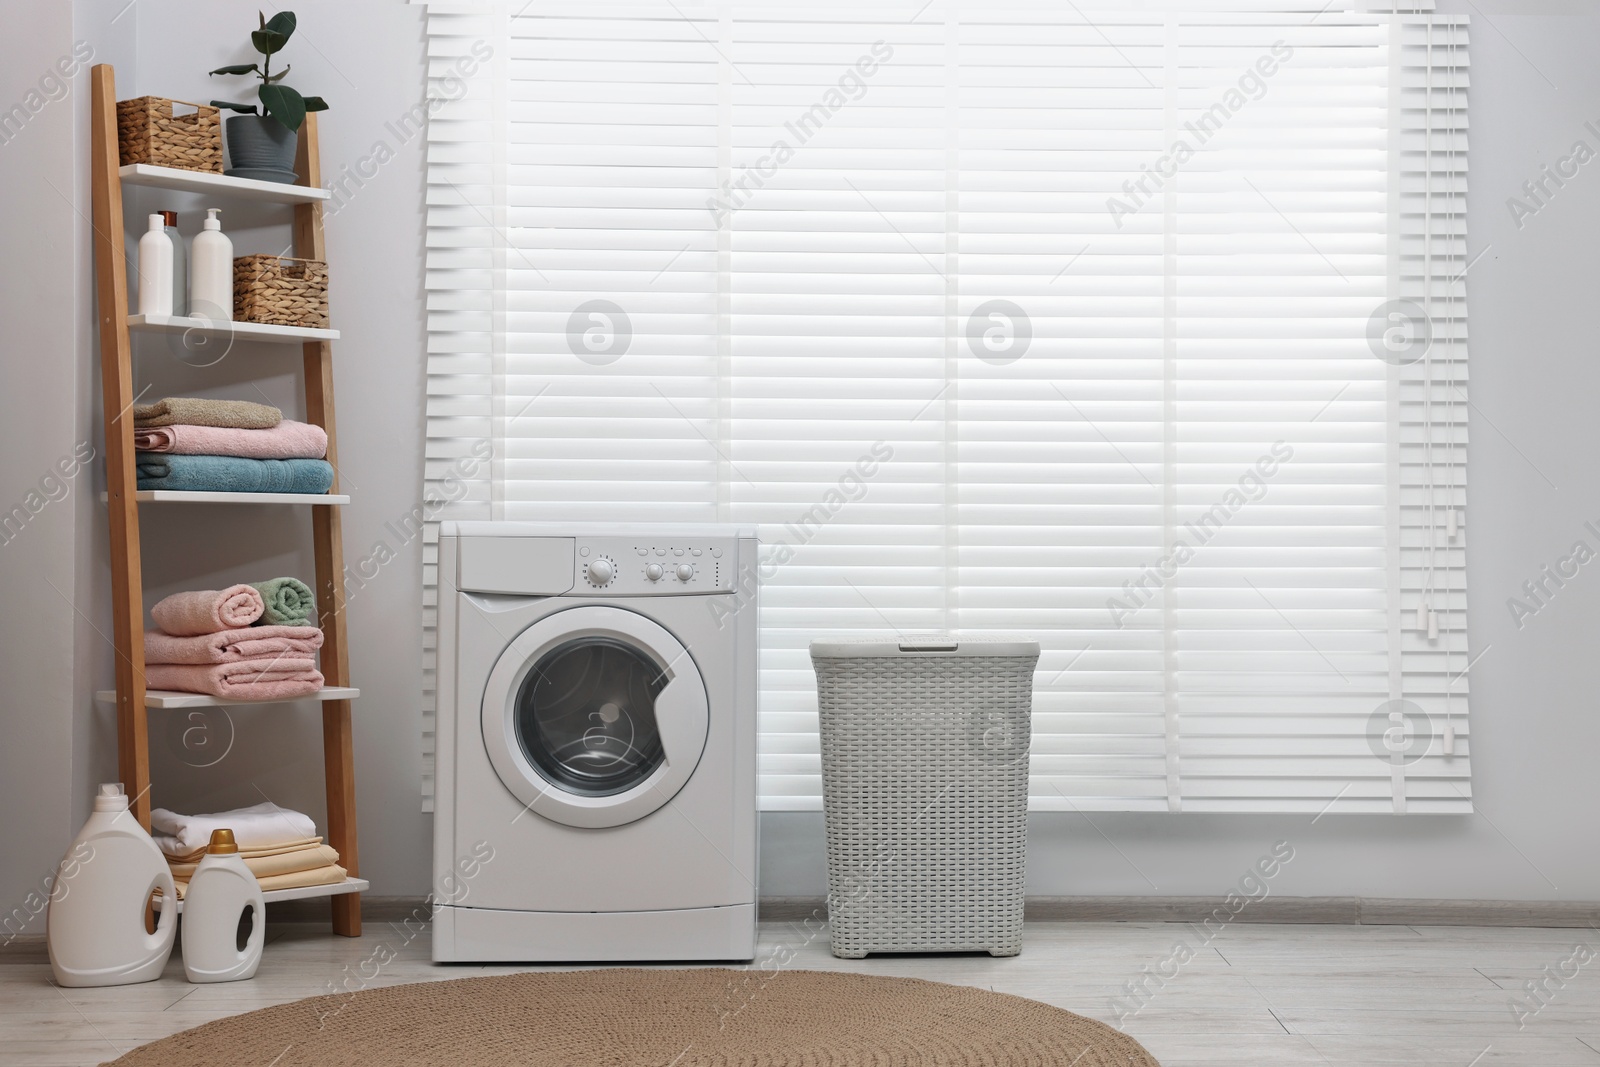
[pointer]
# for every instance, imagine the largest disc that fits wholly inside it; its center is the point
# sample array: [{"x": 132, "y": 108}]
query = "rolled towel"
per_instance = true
[
  {"x": 231, "y": 474},
  {"x": 274, "y": 678},
  {"x": 231, "y": 646},
  {"x": 287, "y": 440},
  {"x": 206, "y": 611},
  {"x": 258, "y": 826},
  {"x": 289, "y": 601},
  {"x": 199, "y": 411}
]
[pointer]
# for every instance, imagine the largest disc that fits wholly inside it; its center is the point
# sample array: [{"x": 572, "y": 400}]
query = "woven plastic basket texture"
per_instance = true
[{"x": 925, "y": 794}]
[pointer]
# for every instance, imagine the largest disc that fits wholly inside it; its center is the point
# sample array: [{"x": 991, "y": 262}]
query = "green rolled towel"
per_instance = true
[{"x": 290, "y": 602}]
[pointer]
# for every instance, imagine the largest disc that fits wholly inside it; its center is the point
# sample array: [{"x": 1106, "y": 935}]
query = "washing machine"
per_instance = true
[{"x": 596, "y": 743}]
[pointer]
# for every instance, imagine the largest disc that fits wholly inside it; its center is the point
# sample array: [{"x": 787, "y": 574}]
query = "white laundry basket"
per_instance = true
[{"x": 925, "y": 791}]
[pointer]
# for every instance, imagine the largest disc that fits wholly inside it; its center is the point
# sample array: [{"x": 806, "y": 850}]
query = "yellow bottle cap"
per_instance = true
[{"x": 222, "y": 843}]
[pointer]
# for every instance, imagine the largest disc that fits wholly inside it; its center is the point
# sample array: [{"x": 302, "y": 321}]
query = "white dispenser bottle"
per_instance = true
[
  {"x": 220, "y": 891},
  {"x": 211, "y": 272},
  {"x": 180, "y": 264},
  {"x": 155, "y": 269},
  {"x": 95, "y": 925}
]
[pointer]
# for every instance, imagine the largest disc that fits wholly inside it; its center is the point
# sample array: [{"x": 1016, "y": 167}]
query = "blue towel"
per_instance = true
[{"x": 232, "y": 474}]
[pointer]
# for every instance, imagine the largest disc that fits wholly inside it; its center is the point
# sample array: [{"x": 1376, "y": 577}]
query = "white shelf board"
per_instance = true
[
  {"x": 242, "y": 331},
  {"x": 337, "y": 889},
  {"x": 171, "y": 698},
  {"x": 199, "y": 181},
  {"x": 183, "y": 496}
]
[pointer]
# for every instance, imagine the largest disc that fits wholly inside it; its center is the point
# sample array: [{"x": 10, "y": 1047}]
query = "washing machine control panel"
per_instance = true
[{"x": 688, "y": 566}]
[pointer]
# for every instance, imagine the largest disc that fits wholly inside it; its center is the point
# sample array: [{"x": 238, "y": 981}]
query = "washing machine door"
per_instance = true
[{"x": 595, "y": 716}]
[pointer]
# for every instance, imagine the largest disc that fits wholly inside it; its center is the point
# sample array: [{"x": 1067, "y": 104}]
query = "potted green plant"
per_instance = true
[{"x": 261, "y": 144}]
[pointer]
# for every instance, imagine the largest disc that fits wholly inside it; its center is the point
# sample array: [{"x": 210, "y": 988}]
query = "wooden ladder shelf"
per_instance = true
[{"x": 123, "y": 500}]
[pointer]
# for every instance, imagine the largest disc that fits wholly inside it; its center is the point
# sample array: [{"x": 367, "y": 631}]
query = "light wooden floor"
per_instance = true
[{"x": 1256, "y": 995}]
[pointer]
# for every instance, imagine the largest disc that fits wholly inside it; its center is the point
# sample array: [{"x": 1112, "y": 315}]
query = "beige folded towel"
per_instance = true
[
  {"x": 199, "y": 411},
  {"x": 332, "y": 874},
  {"x": 166, "y": 843},
  {"x": 292, "y": 862}
]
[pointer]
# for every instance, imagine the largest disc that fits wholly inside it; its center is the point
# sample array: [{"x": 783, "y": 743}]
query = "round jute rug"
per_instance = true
[{"x": 654, "y": 1018}]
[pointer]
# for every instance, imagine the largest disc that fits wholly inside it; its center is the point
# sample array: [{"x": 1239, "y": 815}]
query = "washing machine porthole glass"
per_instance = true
[{"x": 586, "y": 717}]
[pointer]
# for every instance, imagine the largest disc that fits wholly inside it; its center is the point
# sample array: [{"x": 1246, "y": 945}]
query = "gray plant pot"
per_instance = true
[{"x": 261, "y": 147}]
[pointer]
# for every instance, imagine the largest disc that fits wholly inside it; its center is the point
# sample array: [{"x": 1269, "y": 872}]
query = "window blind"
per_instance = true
[{"x": 1138, "y": 331}]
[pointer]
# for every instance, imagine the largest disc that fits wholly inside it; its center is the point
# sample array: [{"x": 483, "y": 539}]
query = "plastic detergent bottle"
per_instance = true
[
  {"x": 95, "y": 925},
  {"x": 222, "y": 893}
]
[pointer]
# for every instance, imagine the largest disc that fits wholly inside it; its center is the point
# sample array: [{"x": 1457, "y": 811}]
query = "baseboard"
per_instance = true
[
  {"x": 1401, "y": 912},
  {"x": 791, "y": 909},
  {"x": 1345, "y": 911},
  {"x": 30, "y": 948},
  {"x": 1341, "y": 911}
]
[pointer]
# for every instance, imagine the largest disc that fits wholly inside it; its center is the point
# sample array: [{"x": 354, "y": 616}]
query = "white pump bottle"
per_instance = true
[
  {"x": 211, "y": 272},
  {"x": 155, "y": 269}
]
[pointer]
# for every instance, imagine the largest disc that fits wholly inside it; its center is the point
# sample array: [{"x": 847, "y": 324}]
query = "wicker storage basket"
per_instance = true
[
  {"x": 148, "y": 132},
  {"x": 281, "y": 291},
  {"x": 925, "y": 791}
]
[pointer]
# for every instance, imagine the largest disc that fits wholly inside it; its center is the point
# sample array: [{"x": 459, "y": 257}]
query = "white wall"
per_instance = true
[
  {"x": 39, "y": 377},
  {"x": 1533, "y": 483}
]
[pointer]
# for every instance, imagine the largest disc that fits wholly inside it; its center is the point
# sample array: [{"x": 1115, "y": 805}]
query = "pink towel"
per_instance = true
[
  {"x": 272, "y": 678},
  {"x": 287, "y": 440},
  {"x": 232, "y": 646},
  {"x": 205, "y": 611}
]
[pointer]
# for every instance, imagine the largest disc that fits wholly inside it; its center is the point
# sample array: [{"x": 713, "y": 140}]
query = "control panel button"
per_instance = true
[
  {"x": 601, "y": 571},
  {"x": 685, "y": 571},
  {"x": 717, "y": 552},
  {"x": 654, "y": 571},
  {"x": 694, "y": 552}
]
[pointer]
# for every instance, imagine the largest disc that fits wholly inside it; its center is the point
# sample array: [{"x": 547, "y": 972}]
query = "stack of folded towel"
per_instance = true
[
  {"x": 280, "y": 846},
  {"x": 246, "y": 642},
  {"x": 227, "y": 446}
]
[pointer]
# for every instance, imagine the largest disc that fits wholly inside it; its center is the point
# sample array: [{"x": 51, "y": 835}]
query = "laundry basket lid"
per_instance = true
[{"x": 924, "y": 645}]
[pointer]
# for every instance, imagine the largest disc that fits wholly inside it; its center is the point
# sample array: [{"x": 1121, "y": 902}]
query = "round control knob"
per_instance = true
[
  {"x": 685, "y": 571},
  {"x": 601, "y": 571},
  {"x": 654, "y": 571}
]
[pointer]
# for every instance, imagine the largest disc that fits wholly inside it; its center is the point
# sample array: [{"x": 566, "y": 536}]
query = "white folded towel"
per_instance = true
[{"x": 259, "y": 826}]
